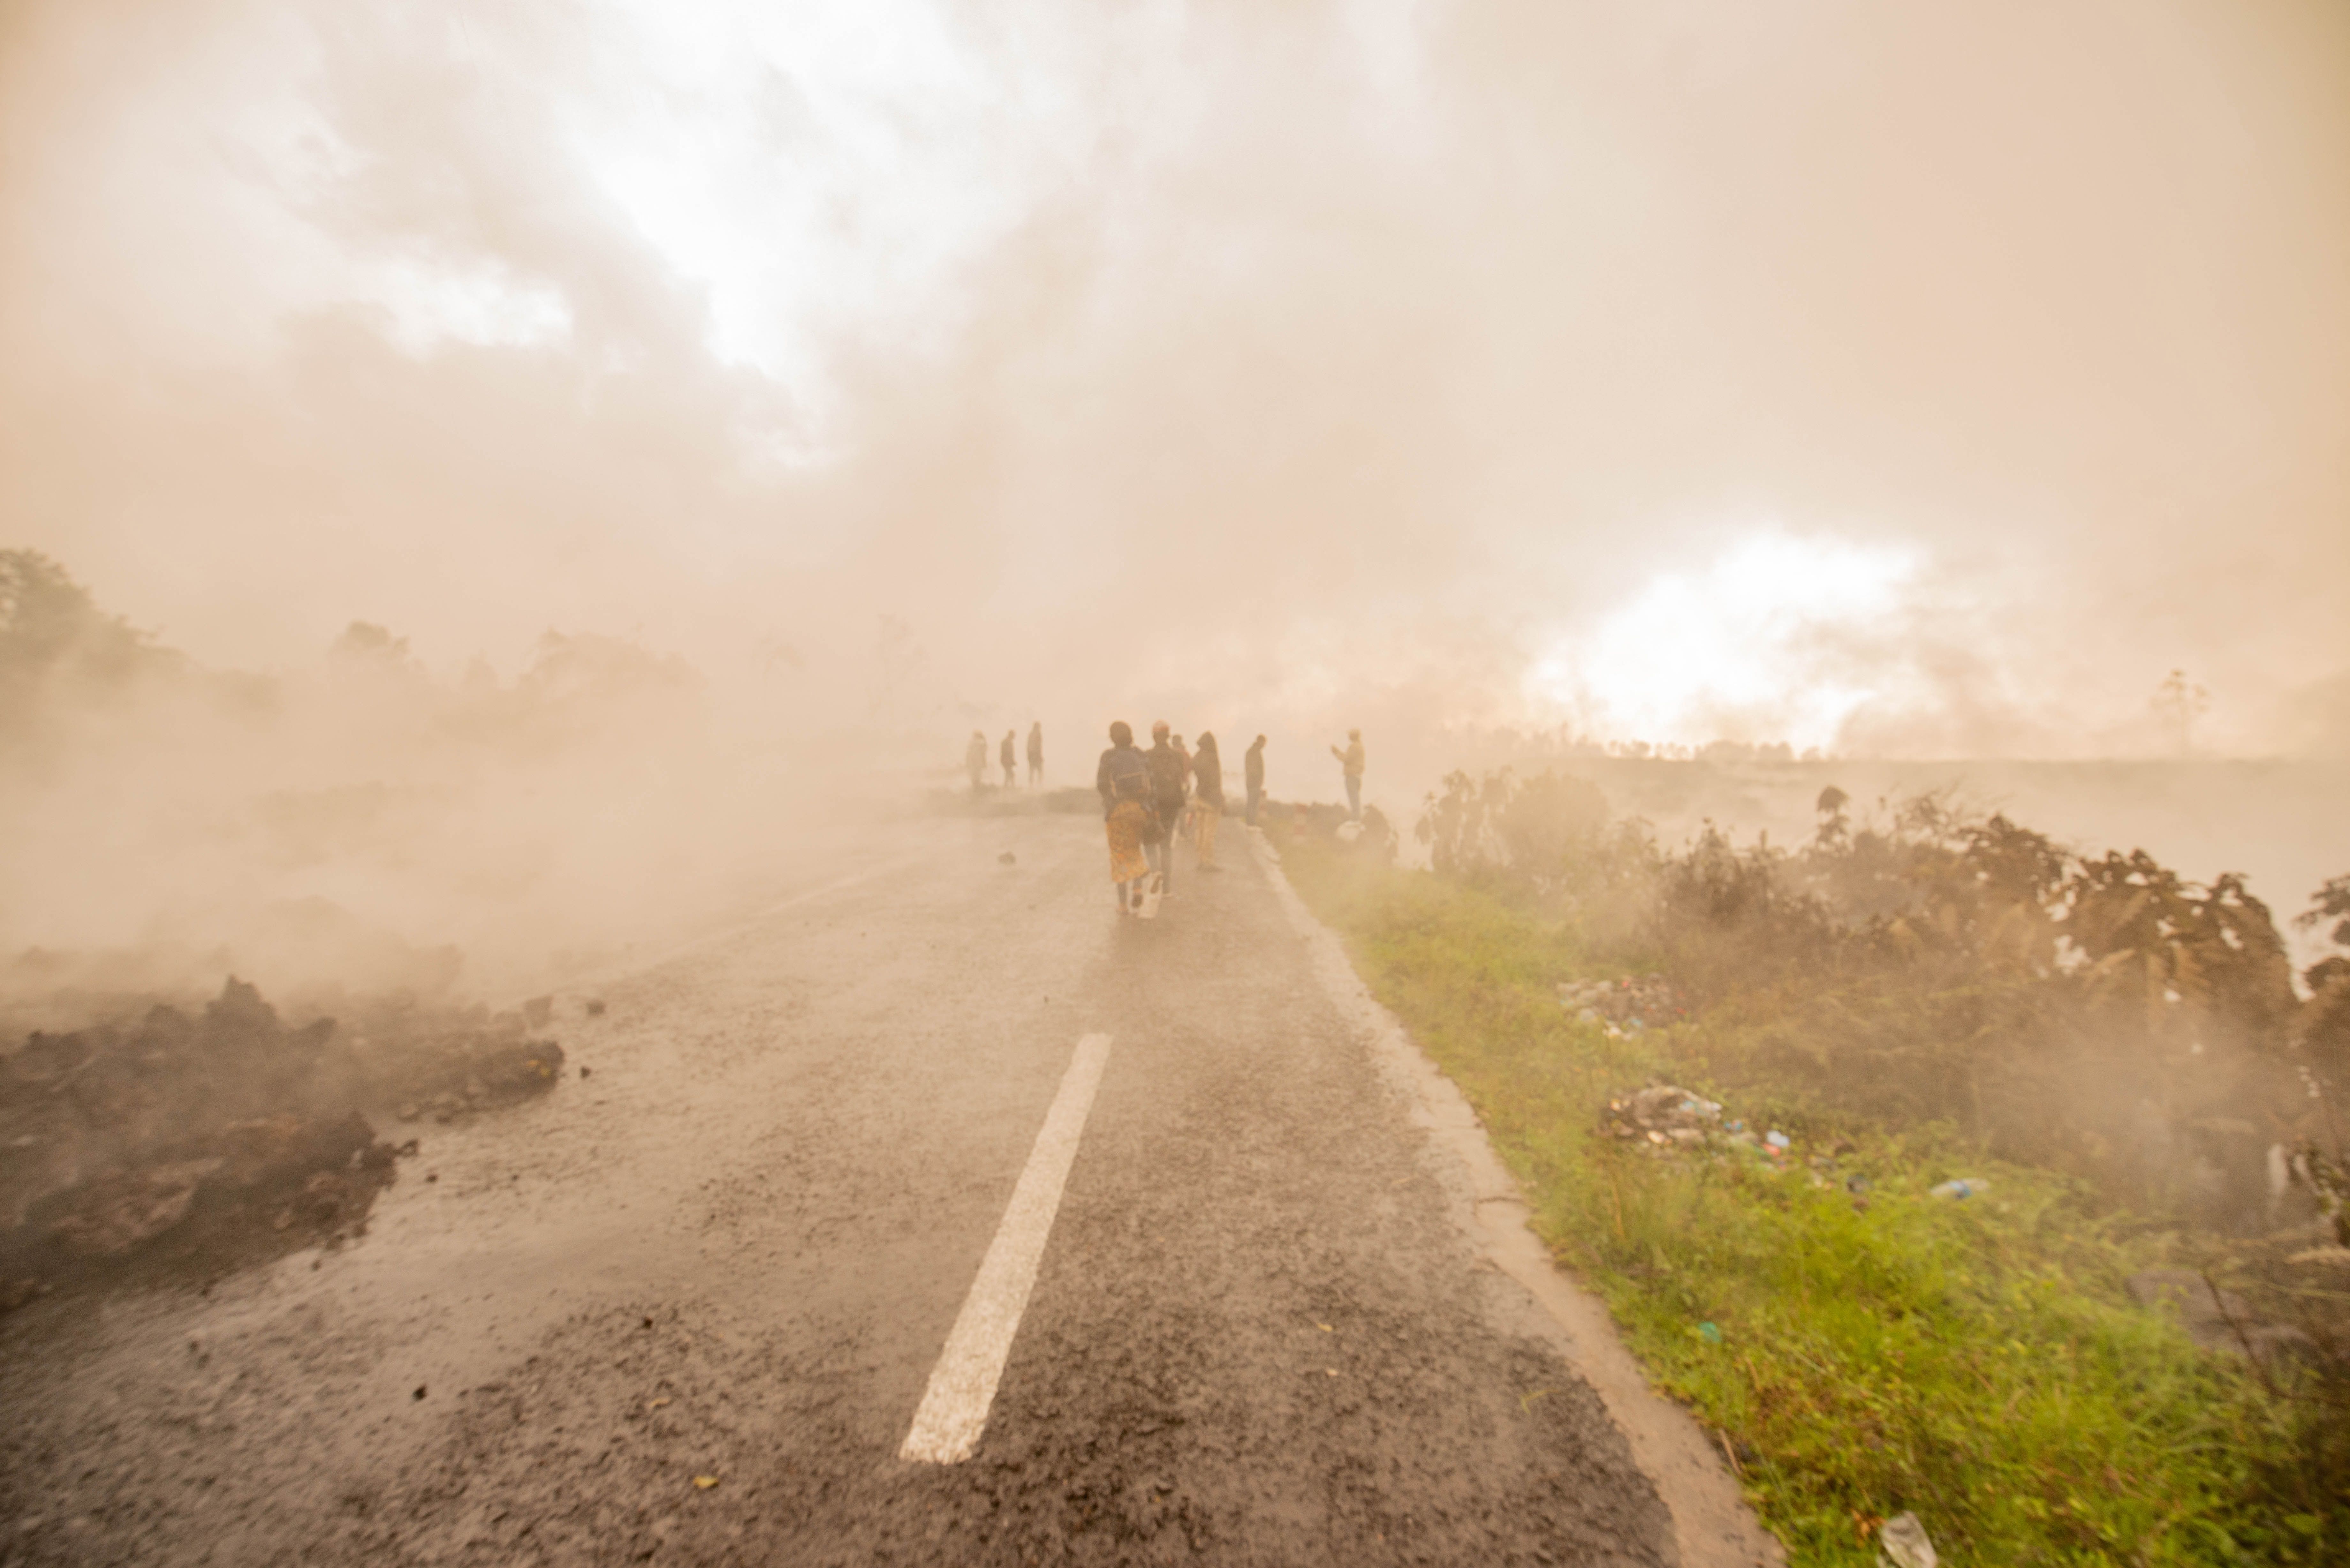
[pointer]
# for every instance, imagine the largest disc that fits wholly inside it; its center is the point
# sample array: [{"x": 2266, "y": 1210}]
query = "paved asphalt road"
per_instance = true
[{"x": 1259, "y": 1332}]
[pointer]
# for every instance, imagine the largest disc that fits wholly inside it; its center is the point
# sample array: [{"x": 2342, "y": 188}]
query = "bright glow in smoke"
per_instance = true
[
  {"x": 1767, "y": 643},
  {"x": 811, "y": 166}
]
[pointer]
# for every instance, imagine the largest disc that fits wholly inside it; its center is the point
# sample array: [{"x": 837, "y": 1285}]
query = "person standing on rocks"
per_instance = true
[
  {"x": 1036, "y": 754},
  {"x": 1351, "y": 761},
  {"x": 1125, "y": 783},
  {"x": 1011, "y": 759},
  {"x": 1207, "y": 797},
  {"x": 1253, "y": 768},
  {"x": 974, "y": 758},
  {"x": 1166, "y": 768}
]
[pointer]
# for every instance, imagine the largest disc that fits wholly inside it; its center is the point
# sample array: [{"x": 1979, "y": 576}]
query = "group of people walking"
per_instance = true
[
  {"x": 1150, "y": 798},
  {"x": 974, "y": 757}
]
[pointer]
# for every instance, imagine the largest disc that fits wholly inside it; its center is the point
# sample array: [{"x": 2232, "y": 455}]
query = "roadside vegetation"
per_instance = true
[{"x": 1733, "y": 1078}]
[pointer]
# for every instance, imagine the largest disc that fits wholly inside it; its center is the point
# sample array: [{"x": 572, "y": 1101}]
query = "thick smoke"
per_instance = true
[{"x": 1262, "y": 367}]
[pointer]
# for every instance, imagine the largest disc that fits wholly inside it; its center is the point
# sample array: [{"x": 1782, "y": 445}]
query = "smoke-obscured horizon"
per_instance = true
[{"x": 1927, "y": 384}]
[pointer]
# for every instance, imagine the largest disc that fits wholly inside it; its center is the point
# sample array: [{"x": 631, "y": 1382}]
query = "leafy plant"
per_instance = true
[{"x": 1979, "y": 1363}]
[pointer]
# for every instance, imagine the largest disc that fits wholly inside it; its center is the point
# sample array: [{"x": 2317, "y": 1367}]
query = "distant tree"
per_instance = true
[
  {"x": 1835, "y": 830},
  {"x": 582, "y": 669},
  {"x": 1536, "y": 830},
  {"x": 365, "y": 642},
  {"x": 53, "y": 637},
  {"x": 2178, "y": 702},
  {"x": 2325, "y": 1023}
]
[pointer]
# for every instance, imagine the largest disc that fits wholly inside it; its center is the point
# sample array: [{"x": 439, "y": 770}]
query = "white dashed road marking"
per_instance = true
[{"x": 962, "y": 1386}]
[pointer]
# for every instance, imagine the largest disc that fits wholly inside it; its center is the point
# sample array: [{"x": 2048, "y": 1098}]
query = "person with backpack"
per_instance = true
[
  {"x": 1171, "y": 773},
  {"x": 1126, "y": 789}
]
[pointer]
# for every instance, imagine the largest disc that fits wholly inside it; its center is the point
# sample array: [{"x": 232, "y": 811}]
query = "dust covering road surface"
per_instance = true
[{"x": 684, "y": 1309}]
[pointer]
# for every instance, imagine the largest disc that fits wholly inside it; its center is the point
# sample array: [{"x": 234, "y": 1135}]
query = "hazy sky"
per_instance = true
[{"x": 1927, "y": 379}]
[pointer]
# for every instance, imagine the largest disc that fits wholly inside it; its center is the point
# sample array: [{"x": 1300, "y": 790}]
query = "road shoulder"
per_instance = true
[{"x": 1713, "y": 1527}]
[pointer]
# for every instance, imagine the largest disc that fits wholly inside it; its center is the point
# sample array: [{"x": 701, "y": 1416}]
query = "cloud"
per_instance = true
[{"x": 1131, "y": 353}]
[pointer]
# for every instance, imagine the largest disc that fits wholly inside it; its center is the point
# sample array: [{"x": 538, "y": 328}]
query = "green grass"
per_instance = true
[{"x": 1977, "y": 1362}]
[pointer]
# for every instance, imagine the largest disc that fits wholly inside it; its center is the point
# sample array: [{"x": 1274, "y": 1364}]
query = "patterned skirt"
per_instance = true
[{"x": 1129, "y": 822}]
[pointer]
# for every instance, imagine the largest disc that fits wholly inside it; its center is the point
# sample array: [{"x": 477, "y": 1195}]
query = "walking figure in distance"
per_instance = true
[
  {"x": 1126, "y": 788},
  {"x": 1253, "y": 766},
  {"x": 974, "y": 758},
  {"x": 1010, "y": 760},
  {"x": 1184, "y": 820},
  {"x": 1036, "y": 754},
  {"x": 1351, "y": 760},
  {"x": 1207, "y": 798},
  {"x": 1166, "y": 767}
]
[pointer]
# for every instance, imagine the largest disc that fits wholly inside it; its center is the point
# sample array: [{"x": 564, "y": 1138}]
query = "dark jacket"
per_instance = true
[
  {"x": 1123, "y": 774},
  {"x": 1254, "y": 764},
  {"x": 1208, "y": 774},
  {"x": 1167, "y": 772}
]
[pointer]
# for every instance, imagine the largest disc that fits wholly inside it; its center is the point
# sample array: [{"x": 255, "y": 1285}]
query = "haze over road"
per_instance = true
[{"x": 1259, "y": 1330}]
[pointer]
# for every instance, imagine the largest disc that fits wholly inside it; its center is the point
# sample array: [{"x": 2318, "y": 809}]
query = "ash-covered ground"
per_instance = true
[{"x": 167, "y": 1142}]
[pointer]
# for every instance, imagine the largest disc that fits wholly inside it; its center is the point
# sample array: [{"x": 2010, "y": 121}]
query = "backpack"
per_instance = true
[
  {"x": 1129, "y": 775},
  {"x": 1166, "y": 766}
]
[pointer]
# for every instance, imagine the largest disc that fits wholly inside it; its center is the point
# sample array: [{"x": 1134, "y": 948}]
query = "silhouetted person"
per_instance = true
[
  {"x": 1253, "y": 768},
  {"x": 1126, "y": 788},
  {"x": 1010, "y": 760},
  {"x": 1351, "y": 760},
  {"x": 1207, "y": 797},
  {"x": 1036, "y": 754},
  {"x": 1184, "y": 752},
  {"x": 1166, "y": 797},
  {"x": 974, "y": 757}
]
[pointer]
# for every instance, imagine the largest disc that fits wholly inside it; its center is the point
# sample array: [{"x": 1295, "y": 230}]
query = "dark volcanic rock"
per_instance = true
[{"x": 196, "y": 1134}]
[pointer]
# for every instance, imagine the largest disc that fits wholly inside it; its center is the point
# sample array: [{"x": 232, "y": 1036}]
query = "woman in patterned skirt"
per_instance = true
[{"x": 1123, "y": 779}]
